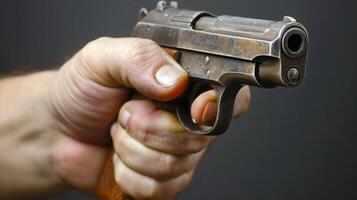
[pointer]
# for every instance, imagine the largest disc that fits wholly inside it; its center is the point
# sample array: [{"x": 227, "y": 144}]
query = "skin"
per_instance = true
[{"x": 57, "y": 127}]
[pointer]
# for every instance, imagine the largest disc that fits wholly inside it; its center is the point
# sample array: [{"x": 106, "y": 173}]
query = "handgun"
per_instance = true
[{"x": 222, "y": 53}]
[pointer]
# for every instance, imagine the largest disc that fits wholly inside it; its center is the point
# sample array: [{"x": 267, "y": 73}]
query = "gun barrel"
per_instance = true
[
  {"x": 260, "y": 52},
  {"x": 293, "y": 40}
]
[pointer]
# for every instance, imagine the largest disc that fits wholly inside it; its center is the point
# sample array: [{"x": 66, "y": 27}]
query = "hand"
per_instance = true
[{"x": 155, "y": 157}]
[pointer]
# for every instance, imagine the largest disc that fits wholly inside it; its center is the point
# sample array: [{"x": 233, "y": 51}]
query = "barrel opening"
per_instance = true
[{"x": 295, "y": 42}]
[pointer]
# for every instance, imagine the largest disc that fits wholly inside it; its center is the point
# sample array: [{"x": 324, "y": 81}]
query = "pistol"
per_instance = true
[{"x": 223, "y": 53}]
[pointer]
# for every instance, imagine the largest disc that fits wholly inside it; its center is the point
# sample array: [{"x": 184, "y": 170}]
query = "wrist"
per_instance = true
[
  {"x": 76, "y": 162},
  {"x": 27, "y": 137}
]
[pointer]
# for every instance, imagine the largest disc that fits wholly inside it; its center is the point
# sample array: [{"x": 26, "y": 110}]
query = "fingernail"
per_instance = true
[
  {"x": 169, "y": 75},
  {"x": 124, "y": 117}
]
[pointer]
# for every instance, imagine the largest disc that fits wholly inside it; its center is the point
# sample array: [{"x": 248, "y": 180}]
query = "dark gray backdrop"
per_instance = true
[{"x": 293, "y": 144}]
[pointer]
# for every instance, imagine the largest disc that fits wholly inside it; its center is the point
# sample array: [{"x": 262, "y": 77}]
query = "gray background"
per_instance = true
[{"x": 293, "y": 144}]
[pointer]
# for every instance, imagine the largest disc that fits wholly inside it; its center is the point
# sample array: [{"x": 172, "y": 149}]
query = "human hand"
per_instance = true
[{"x": 85, "y": 98}]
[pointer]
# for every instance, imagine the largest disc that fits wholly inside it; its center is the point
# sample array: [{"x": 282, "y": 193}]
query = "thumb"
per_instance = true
[{"x": 135, "y": 63}]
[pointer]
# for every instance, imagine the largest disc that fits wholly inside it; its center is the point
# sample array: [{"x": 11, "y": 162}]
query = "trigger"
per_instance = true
[{"x": 204, "y": 108}]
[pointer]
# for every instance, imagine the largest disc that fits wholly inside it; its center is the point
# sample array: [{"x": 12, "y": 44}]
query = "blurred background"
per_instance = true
[{"x": 293, "y": 143}]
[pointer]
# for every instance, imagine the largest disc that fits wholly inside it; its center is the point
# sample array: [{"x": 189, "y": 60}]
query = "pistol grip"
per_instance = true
[{"x": 107, "y": 188}]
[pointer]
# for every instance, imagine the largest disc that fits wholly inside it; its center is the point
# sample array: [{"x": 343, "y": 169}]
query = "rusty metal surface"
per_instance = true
[{"x": 227, "y": 51}]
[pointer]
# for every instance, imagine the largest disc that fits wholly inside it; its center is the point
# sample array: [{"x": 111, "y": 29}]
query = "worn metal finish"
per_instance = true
[{"x": 227, "y": 52}]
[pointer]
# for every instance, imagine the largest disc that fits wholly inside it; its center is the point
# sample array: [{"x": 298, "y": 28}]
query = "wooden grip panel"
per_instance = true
[{"x": 107, "y": 188}]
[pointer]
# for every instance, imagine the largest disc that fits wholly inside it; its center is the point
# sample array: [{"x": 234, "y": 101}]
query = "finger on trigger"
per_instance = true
[
  {"x": 204, "y": 107},
  {"x": 242, "y": 101}
]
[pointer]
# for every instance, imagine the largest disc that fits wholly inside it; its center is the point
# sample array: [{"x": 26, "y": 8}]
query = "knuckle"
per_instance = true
[
  {"x": 119, "y": 174},
  {"x": 102, "y": 39},
  {"x": 143, "y": 136},
  {"x": 186, "y": 180},
  {"x": 139, "y": 43},
  {"x": 199, "y": 144},
  {"x": 118, "y": 140},
  {"x": 87, "y": 52},
  {"x": 91, "y": 47},
  {"x": 168, "y": 166},
  {"x": 152, "y": 190},
  {"x": 95, "y": 44},
  {"x": 137, "y": 127},
  {"x": 141, "y": 51}
]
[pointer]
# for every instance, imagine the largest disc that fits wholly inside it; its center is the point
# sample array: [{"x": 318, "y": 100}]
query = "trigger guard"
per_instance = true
[{"x": 225, "y": 105}]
